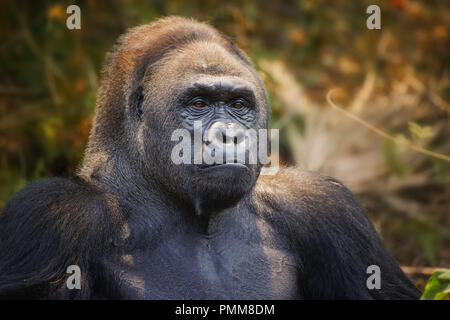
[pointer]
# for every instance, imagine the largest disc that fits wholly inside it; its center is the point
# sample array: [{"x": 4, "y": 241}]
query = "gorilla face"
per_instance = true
[{"x": 208, "y": 91}]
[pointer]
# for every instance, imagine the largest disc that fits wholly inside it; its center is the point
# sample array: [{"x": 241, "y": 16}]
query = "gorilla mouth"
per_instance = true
[{"x": 234, "y": 165}]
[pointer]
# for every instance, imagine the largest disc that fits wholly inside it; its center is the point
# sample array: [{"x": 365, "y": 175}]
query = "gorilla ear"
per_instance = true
[{"x": 135, "y": 102}]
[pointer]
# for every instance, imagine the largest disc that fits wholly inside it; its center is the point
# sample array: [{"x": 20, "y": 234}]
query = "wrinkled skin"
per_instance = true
[{"x": 142, "y": 227}]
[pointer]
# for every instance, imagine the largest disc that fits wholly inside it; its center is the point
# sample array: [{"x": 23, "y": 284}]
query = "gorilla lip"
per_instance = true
[{"x": 235, "y": 165}]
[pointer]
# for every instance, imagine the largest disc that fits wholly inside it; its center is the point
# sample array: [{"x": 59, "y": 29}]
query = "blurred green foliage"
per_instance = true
[{"x": 438, "y": 286}]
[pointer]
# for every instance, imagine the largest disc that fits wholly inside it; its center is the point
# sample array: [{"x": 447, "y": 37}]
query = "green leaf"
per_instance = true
[
  {"x": 419, "y": 132},
  {"x": 438, "y": 286},
  {"x": 401, "y": 139}
]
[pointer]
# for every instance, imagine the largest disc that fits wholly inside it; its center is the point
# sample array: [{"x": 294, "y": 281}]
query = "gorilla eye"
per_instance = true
[
  {"x": 238, "y": 105},
  {"x": 199, "y": 104}
]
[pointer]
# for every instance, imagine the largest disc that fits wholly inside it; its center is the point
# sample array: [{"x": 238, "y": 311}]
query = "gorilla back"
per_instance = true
[{"x": 140, "y": 226}]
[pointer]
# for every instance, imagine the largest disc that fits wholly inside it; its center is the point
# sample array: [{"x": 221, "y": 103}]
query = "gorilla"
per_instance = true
[{"x": 139, "y": 226}]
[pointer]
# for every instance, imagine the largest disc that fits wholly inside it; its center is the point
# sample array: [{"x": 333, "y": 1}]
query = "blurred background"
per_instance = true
[{"x": 397, "y": 79}]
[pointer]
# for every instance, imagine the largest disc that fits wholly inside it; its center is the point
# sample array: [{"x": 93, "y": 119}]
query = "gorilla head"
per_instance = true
[{"x": 165, "y": 76}]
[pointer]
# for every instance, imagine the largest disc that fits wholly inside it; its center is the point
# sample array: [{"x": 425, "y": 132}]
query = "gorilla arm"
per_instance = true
[
  {"x": 47, "y": 226},
  {"x": 333, "y": 237}
]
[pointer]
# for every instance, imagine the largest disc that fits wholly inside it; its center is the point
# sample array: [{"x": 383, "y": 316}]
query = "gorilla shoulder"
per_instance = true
[
  {"x": 48, "y": 222},
  {"x": 55, "y": 203},
  {"x": 306, "y": 193},
  {"x": 330, "y": 232}
]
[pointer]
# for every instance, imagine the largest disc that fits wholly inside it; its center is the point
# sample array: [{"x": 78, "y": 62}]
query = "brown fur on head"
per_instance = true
[
  {"x": 153, "y": 63},
  {"x": 134, "y": 54}
]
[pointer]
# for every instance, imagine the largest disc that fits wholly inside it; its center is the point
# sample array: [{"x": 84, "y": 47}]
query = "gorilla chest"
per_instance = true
[{"x": 193, "y": 267}]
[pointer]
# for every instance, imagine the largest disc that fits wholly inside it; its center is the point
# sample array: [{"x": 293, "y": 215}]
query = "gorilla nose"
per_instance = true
[{"x": 221, "y": 133}]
